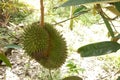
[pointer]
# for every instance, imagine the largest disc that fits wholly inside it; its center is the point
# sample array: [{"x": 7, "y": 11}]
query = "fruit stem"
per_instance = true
[
  {"x": 50, "y": 74},
  {"x": 42, "y": 13}
]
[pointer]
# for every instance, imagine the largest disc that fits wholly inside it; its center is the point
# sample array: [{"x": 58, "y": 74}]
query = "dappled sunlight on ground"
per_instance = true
[{"x": 34, "y": 3}]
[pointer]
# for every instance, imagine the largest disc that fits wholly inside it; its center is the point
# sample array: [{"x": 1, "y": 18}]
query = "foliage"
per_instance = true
[
  {"x": 108, "y": 26},
  {"x": 73, "y": 68},
  {"x": 46, "y": 74},
  {"x": 13, "y": 46},
  {"x": 5, "y": 59},
  {"x": 97, "y": 6},
  {"x": 72, "y": 78},
  {"x": 85, "y": 18},
  {"x": 97, "y": 49},
  {"x": 11, "y": 10},
  {"x": 79, "y": 2},
  {"x": 118, "y": 78},
  {"x": 100, "y": 48}
]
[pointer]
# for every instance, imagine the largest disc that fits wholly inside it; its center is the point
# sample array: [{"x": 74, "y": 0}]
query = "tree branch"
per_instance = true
[
  {"x": 72, "y": 17},
  {"x": 42, "y": 13}
]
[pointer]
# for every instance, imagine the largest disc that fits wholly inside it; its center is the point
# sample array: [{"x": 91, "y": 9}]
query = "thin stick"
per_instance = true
[
  {"x": 50, "y": 74},
  {"x": 113, "y": 26},
  {"x": 110, "y": 21},
  {"x": 72, "y": 17},
  {"x": 42, "y": 13}
]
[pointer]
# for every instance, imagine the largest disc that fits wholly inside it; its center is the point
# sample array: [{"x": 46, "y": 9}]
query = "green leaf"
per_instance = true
[
  {"x": 79, "y": 2},
  {"x": 99, "y": 48},
  {"x": 13, "y": 46},
  {"x": 118, "y": 36},
  {"x": 72, "y": 78},
  {"x": 118, "y": 78},
  {"x": 117, "y": 5},
  {"x": 5, "y": 59},
  {"x": 79, "y": 10},
  {"x": 108, "y": 26}
]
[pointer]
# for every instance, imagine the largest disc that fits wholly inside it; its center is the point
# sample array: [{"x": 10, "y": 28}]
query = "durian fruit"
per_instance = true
[
  {"x": 72, "y": 78},
  {"x": 35, "y": 39},
  {"x": 45, "y": 44},
  {"x": 57, "y": 49}
]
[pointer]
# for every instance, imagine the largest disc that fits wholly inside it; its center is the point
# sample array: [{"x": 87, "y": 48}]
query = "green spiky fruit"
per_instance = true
[
  {"x": 57, "y": 49},
  {"x": 46, "y": 45},
  {"x": 35, "y": 39},
  {"x": 72, "y": 78}
]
